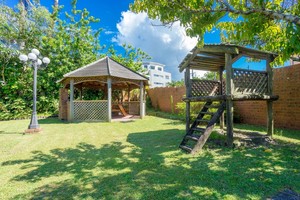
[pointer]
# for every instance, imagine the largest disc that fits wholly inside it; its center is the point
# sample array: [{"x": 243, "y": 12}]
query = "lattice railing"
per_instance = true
[
  {"x": 91, "y": 110},
  {"x": 250, "y": 82},
  {"x": 203, "y": 87}
]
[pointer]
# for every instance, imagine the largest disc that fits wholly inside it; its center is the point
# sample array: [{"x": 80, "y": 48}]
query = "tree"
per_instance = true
[
  {"x": 266, "y": 25},
  {"x": 176, "y": 83},
  {"x": 70, "y": 44},
  {"x": 131, "y": 57}
]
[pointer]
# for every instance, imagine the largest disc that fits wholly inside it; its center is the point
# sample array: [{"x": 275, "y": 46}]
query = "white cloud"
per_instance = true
[
  {"x": 165, "y": 45},
  {"x": 108, "y": 32}
]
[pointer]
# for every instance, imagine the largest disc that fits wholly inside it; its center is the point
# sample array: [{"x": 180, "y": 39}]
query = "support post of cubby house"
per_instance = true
[
  {"x": 109, "y": 99},
  {"x": 221, "y": 93},
  {"x": 142, "y": 100},
  {"x": 270, "y": 120},
  {"x": 229, "y": 103},
  {"x": 188, "y": 94},
  {"x": 72, "y": 99}
]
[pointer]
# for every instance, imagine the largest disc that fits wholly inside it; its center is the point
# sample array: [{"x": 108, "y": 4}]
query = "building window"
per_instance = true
[
  {"x": 157, "y": 75},
  {"x": 158, "y": 83},
  {"x": 159, "y": 69},
  {"x": 145, "y": 66},
  {"x": 152, "y": 67},
  {"x": 167, "y": 77}
]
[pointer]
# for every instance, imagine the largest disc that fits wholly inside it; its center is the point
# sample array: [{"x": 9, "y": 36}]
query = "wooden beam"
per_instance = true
[
  {"x": 229, "y": 103},
  {"x": 219, "y": 49},
  {"x": 235, "y": 58},
  {"x": 212, "y": 55},
  {"x": 253, "y": 97},
  {"x": 212, "y": 59},
  {"x": 205, "y": 68},
  {"x": 188, "y": 94},
  {"x": 109, "y": 99},
  {"x": 205, "y": 98},
  {"x": 237, "y": 97},
  {"x": 188, "y": 59}
]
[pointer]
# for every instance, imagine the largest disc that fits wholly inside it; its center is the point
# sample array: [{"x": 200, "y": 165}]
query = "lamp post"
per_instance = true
[{"x": 34, "y": 59}]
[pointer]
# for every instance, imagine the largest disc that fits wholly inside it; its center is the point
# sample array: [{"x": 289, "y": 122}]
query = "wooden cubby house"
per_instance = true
[{"x": 239, "y": 85}]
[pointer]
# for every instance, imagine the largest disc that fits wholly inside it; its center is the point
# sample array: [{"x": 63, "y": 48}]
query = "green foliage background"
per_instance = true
[{"x": 68, "y": 41}]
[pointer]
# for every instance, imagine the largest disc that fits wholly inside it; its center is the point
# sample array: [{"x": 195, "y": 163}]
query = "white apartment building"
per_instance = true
[{"x": 157, "y": 76}]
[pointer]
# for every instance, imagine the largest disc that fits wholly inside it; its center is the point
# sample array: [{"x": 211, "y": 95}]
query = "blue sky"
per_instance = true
[{"x": 165, "y": 45}]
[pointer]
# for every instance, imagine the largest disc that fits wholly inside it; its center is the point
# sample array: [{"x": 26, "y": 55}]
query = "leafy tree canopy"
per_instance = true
[
  {"x": 272, "y": 25},
  {"x": 176, "y": 83},
  {"x": 69, "y": 42},
  {"x": 131, "y": 57}
]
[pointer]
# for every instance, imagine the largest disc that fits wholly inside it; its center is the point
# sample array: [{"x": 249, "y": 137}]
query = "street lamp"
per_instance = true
[{"x": 34, "y": 59}]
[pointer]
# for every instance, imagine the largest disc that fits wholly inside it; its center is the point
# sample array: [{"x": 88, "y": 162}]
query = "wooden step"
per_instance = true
[
  {"x": 186, "y": 148},
  {"x": 212, "y": 106},
  {"x": 193, "y": 137},
  {"x": 207, "y": 113},
  {"x": 202, "y": 120},
  {"x": 199, "y": 129}
]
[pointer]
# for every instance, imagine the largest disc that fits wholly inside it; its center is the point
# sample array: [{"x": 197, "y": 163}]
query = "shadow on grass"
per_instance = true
[
  {"x": 10, "y": 133},
  {"x": 150, "y": 166}
]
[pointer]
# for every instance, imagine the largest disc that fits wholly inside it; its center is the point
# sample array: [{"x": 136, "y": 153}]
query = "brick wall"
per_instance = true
[
  {"x": 161, "y": 97},
  {"x": 286, "y": 109}
]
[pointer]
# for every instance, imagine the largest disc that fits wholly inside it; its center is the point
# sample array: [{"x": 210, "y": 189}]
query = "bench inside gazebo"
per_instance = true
[{"x": 106, "y": 77}]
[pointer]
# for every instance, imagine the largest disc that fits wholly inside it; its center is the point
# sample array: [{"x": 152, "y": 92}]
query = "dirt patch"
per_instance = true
[{"x": 241, "y": 139}]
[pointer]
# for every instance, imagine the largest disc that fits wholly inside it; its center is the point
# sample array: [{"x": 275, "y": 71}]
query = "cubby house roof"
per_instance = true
[{"x": 211, "y": 57}]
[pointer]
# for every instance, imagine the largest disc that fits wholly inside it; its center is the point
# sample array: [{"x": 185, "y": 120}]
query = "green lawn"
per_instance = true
[{"x": 137, "y": 160}]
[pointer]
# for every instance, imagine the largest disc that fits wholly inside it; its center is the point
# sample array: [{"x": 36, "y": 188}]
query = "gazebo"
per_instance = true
[
  {"x": 218, "y": 96},
  {"x": 106, "y": 75}
]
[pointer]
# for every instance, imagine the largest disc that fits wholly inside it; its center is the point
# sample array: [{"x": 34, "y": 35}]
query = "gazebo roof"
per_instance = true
[
  {"x": 211, "y": 57},
  {"x": 105, "y": 67}
]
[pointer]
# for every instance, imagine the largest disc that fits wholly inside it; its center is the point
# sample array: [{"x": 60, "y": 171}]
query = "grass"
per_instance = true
[{"x": 137, "y": 160}]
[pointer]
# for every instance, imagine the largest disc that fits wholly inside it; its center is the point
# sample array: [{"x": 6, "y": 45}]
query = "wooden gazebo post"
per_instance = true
[
  {"x": 71, "y": 99},
  {"x": 229, "y": 103},
  {"x": 142, "y": 111},
  {"x": 109, "y": 99}
]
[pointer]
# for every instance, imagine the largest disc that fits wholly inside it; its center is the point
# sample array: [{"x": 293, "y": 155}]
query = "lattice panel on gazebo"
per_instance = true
[
  {"x": 250, "y": 82},
  {"x": 91, "y": 110},
  {"x": 203, "y": 87}
]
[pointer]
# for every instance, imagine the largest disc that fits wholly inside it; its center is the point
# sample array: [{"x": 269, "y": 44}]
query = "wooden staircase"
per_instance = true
[{"x": 196, "y": 137}]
